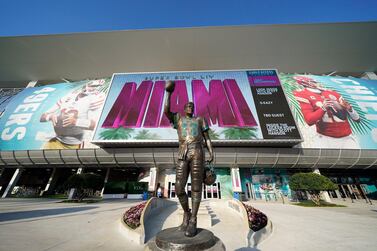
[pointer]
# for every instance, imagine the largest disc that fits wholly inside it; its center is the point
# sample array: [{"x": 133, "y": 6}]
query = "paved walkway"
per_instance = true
[
  {"x": 297, "y": 228},
  {"x": 43, "y": 224}
]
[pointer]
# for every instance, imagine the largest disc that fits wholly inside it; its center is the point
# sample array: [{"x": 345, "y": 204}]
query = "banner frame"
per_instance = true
[{"x": 254, "y": 142}]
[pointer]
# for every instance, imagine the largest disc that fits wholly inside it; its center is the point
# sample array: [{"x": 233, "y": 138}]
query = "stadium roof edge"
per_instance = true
[
  {"x": 314, "y": 48},
  {"x": 183, "y": 28}
]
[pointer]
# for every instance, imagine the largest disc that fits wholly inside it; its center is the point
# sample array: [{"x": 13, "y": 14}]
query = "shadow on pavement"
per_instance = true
[
  {"x": 214, "y": 218},
  {"x": 21, "y": 215},
  {"x": 247, "y": 249},
  {"x": 120, "y": 201},
  {"x": 155, "y": 224}
]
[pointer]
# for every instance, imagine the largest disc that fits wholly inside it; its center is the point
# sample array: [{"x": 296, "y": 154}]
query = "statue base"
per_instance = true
[{"x": 171, "y": 239}]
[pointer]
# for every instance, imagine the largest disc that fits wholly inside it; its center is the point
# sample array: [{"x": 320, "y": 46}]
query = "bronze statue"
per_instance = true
[{"x": 191, "y": 133}]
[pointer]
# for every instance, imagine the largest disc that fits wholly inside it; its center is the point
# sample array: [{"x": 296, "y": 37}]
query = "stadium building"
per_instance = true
[{"x": 279, "y": 99}]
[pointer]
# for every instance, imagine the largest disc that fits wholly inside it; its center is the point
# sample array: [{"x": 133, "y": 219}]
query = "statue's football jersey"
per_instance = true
[{"x": 190, "y": 130}]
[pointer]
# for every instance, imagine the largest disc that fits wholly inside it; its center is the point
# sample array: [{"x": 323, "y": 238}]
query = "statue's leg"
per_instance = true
[
  {"x": 180, "y": 184},
  {"x": 196, "y": 167}
]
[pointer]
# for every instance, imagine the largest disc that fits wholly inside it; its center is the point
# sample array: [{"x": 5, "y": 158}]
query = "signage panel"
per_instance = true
[{"x": 244, "y": 106}]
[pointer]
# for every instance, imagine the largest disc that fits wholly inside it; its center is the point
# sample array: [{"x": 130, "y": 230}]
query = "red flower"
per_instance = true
[
  {"x": 257, "y": 219},
  {"x": 132, "y": 216}
]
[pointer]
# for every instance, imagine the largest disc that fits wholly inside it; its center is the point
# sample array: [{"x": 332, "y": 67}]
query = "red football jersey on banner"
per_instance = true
[{"x": 332, "y": 122}]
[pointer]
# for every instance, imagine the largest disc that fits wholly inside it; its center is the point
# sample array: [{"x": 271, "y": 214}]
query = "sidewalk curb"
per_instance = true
[
  {"x": 253, "y": 239},
  {"x": 138, "y": 235},
  {"x": 256, "y": 238}
]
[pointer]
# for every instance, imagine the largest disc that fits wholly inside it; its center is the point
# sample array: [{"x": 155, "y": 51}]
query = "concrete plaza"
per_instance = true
[
  {"x": 44, "y": 224},
  {"x": 311, "y": 229}
]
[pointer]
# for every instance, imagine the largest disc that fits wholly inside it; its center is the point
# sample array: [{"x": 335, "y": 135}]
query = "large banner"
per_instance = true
[
  {"x": 240, "y": 106},
  {"x": 6, "y": 96},
  {"x": 333, "y": 112},
  {"x": 59, "y": 116}
]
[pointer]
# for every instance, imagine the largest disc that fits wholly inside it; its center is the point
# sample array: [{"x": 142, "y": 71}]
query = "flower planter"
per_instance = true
[
  {"x": 132, "y": 216},
  {"x": 255, "y": 224}
]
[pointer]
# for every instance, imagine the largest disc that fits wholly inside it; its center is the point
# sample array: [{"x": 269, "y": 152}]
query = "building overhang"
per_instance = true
[{"x": 165, "y": 157}]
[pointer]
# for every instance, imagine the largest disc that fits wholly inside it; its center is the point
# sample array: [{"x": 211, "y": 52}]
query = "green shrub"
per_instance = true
[{"x": 312, "y": 183}]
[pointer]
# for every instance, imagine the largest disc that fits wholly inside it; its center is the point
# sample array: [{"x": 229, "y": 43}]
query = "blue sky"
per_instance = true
[{"x": 28, "y": 17}]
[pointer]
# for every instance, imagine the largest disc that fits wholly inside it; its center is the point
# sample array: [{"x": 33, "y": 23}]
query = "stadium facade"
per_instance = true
[{"x": 280, "y": 99}]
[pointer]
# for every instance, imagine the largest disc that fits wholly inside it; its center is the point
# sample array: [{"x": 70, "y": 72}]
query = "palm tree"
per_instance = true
[
  {"x": 145, "y": 134},
  {"x": 240, "y": 133},
  {"x": 106, "y": 86},
  {"x": 364, "y": 126},
  {"x": 213, "y": 134},
  {"x": 116, "y": 133},
  {"x": 289, "y": 85}
]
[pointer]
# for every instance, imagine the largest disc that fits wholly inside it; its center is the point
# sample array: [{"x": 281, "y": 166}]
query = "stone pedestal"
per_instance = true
[{"x": 172, "y": 239}]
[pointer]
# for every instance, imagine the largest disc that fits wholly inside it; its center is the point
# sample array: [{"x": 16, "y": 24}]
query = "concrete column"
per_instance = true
[
  {"x": 344, "y": 192},
  {"x": 325, "y": 195},
  {"x": 31, "y": 84},
  {"x": 152, "y": 179},
  {"x": 1, "y": 173},
  {"x": 351, "y": 192},
  {"x": 106, "y": 179},
  {"x": 73, "y": 190},
  {"x": 338, "y": 194},
  {"x": 236, "y": 182},
  {"x": 50, "y": 183},
  {"x": 16, "y": 176}
]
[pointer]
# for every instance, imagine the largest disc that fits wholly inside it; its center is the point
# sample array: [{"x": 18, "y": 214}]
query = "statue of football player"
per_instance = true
[{"x": 191, "y": 133}]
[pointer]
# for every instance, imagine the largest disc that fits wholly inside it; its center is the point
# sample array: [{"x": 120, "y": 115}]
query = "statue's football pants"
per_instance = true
[{"x": 193, "y": 163}]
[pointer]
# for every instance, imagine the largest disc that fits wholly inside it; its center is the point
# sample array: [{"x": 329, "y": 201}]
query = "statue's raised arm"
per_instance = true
[{"x": 169, "y": 88}]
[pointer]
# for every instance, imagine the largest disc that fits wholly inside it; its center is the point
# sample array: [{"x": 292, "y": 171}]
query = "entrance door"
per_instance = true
[
  {"x": 212, "y": 192},
  {"x": 171, "y": 190},
  {"x": 250, "y": 191},
  {"x": 209, "y": 192}
]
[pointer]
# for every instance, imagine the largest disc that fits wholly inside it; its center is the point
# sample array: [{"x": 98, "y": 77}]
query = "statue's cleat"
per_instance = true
[
  {"x": 186, "y": 219},
  {"x": 191, "y": 229}
]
